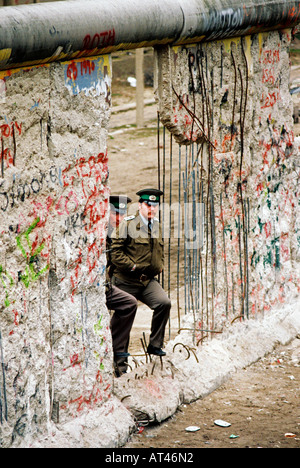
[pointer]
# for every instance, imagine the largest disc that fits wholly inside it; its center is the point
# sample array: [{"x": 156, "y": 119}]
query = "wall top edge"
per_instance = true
[{"x": 57, "y": 31}]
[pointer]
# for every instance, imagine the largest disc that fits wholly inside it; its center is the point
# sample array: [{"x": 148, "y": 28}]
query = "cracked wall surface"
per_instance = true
[
  {"x": 232, "y": 98},
  {"x": 54, "y": 329}
]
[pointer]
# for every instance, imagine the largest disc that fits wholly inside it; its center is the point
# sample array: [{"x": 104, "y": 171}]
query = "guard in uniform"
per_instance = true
[
  {"x": 137, "y": 256},
  {"x": 123, "y": 304}
]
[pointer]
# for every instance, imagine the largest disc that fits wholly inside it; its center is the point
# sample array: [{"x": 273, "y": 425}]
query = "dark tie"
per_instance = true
[{"x": 150, "y": 232}]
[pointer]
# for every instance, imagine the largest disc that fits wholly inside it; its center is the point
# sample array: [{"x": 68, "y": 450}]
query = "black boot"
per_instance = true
[{"x": 156, "y": 351}]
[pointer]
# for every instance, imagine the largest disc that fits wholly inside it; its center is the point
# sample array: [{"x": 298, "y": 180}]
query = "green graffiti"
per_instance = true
[
  {"x": 255, "y": 259},
  {"x": 30, "y": 273},
  {"x": 277, "y": 257},
  {"x": 98, "y": 358},
  {"x": 275, "y": 243},
  {"x": 4, "y": 273},
  {"x": 272, "y": 257},
  {"x": 261, "y": 225},
  {"x": 97, "y": 329},
  {"x": 228, "y": 229},
  {"x": 268, "y": 258},
  {"x": 26, "y": 235}
]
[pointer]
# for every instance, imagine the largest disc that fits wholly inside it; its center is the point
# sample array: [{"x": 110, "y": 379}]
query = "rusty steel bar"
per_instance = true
[{"x": 47, "y": 32}]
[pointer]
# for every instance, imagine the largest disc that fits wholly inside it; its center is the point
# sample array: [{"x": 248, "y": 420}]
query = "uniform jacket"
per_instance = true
[{"x": 134, "y": 244}]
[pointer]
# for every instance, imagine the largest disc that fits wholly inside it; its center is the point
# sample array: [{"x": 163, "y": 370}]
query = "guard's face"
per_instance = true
[
  {"x": 148, "y": 211},
  {"x": 115, "y": 218}
]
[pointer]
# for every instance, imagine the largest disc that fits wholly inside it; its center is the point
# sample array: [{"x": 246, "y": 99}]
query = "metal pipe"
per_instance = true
[
  {"x": 56, "y": 31},
  {"x": 45, "y": 32}
]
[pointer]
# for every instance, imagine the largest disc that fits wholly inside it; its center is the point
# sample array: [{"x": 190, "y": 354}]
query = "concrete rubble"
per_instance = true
[
  {"x": 153, "y": 392},
  {"x": 185, "y": 379}
]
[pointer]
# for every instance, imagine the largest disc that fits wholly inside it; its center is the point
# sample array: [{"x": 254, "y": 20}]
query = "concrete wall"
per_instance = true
[
  {"x": 232, "y": 97},
  {"x": 55, "y": 341},
  {"x": 56, "y": 385}
]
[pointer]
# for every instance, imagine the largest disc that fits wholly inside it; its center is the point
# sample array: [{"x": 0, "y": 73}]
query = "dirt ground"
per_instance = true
[{"x": 261, "y": 402}]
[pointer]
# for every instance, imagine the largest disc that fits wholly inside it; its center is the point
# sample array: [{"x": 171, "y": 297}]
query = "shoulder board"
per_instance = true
[{"x": 129, "y": 218}]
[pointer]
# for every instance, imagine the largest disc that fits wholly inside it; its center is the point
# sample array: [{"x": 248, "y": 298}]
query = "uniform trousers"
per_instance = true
[
  {"x": 125, "y": 307},
  {"x": 157, "y": 299}
]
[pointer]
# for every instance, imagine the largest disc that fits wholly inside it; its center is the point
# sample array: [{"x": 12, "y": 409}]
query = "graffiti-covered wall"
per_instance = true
[
  {"x": 55, "y": 342},
  {"x": 232, "y": 98}
]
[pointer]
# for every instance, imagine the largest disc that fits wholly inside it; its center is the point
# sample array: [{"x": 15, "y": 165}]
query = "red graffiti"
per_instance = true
[
  {"x": 91, "y": 172},
  {"x": 191, "y": 130},
  {"x": 294, "y": 13},
  {"x": 270, "y": 99},
  {"x": 92, "y": 398},
  {"x": 9, "y": 130},
  {"x": 72, "y": 72},
  {"x": 99, "y": 40},
  {"x": 7, "y": 153},
  {"x": 285, "y": 254},
  {"x": 268, "y": 76},
  {"x": 16, "y": 321},
  {"x": 271, "y": 56},
  {"x": 86, "y": 67},
  {"x": 95, "y": 167},
  {"x": 268, "y": 229},
  {"x": 67, "y": 204},
  {"x": 74, "y": 360},
  {"x": 6, "y": 156},
  {"x": 153, "y": 388}
]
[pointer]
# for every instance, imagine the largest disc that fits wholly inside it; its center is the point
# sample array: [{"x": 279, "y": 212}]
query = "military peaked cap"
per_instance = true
[
  {"x": 119, "y": 203},
  {"x": 150, "y": 196}
]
